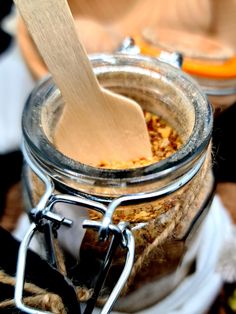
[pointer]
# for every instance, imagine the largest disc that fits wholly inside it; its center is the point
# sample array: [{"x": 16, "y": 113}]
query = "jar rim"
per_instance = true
[{"x": 62, "y": 165}]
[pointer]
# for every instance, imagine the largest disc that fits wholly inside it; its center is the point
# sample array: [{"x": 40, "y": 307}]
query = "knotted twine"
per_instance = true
[{"x": 41, "y": 298}]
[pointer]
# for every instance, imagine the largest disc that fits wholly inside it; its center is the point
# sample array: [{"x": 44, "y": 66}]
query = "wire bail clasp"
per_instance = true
[{"x": 121, "y": 236}]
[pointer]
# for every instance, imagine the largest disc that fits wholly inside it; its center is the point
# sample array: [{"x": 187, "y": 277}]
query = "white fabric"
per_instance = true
[{"x": 15, "y": 86}]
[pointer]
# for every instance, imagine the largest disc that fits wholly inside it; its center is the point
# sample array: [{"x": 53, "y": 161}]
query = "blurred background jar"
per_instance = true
[
  {"x": 201, "y": 30},
  {"x": 209, "y": 61}
]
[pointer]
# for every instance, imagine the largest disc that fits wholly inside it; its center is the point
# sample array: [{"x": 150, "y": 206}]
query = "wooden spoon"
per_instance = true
[{"x": 96, "y": 125}]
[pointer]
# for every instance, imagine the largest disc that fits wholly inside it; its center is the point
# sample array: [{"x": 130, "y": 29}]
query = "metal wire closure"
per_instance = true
[
  {"x": 121, "y": 235},
  {"x": 129, "y": 46},
  {"x": 42, "y": 213},
  {"x": 20, "y": 272}
]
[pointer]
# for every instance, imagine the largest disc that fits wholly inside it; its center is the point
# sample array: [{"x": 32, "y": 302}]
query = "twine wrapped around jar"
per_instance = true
[
  {"x": 170, "y": 228},
  {"x": 39, "y": 298}
]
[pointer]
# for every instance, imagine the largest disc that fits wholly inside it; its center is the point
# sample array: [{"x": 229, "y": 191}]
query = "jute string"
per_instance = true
[
  {"x": 60, "y": 258},
  {"x": 40, "y": 299},
  {"x": 83, "y": 293},
  {"x": 183, "y": 205}
]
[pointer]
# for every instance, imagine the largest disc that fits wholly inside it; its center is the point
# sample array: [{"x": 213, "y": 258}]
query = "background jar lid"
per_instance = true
[{"x": 203, "y": 55}]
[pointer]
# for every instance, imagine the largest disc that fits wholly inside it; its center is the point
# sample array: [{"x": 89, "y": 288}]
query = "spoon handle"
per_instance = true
[{"x": 57, "y": 41}]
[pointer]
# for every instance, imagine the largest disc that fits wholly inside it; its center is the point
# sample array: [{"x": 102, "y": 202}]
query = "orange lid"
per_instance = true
[{"x": 202, "y": 55}]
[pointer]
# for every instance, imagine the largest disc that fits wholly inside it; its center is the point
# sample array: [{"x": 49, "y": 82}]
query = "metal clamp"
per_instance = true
[
  {"x": 20, "y": 272},
  {"x": 173, "y": 58},
  {"x": 129, "y": 46},
  {"x": 43, "y": 214},
  {"x": 22, "y": 255},
  {"x": 121, "y": 235}
]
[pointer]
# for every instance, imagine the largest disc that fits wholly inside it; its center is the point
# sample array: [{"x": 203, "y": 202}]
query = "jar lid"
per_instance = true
[{"x": 203, "y": 55}]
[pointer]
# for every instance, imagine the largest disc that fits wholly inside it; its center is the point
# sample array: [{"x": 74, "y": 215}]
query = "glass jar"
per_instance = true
[
  {"x": 210, "y": 62},
  {"x": 164, "y": 204}
]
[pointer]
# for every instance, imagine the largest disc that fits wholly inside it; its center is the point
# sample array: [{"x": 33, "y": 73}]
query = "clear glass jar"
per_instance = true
[
  {"x": 165, "y": 203},
  {"x": 210, "y": 62},
  {"x": 221, "y": 92}
]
